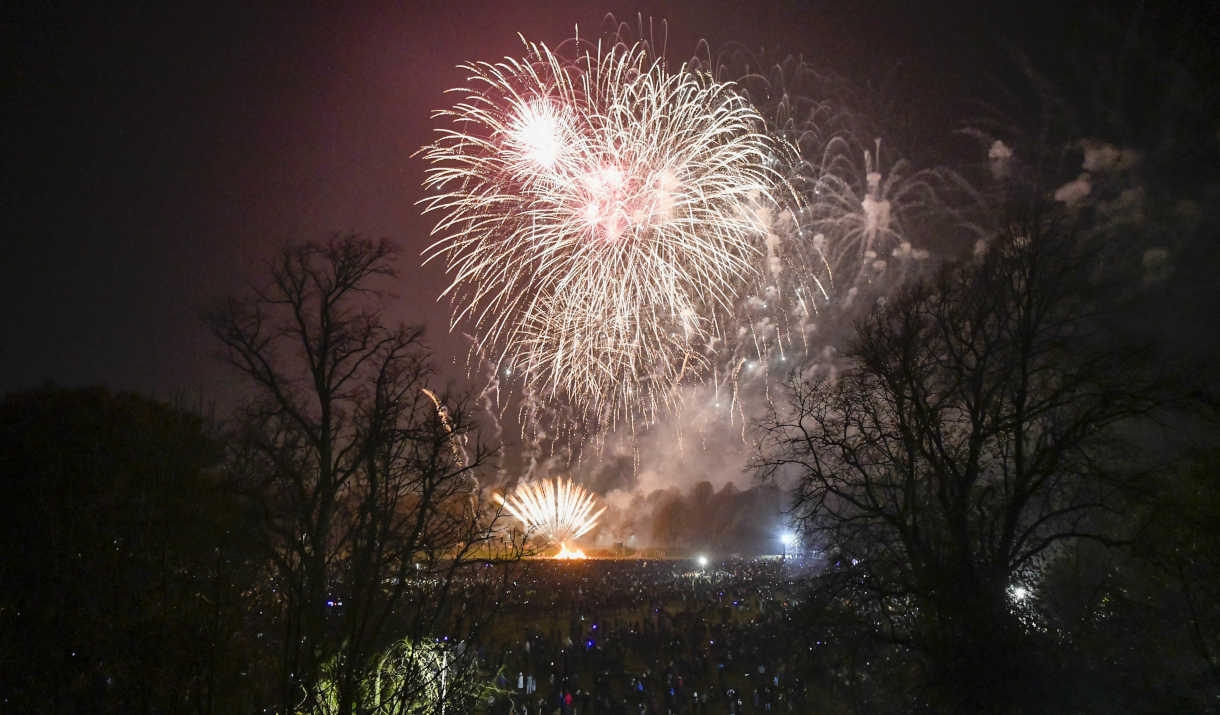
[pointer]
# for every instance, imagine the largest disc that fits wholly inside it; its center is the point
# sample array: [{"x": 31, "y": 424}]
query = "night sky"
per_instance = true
[
  {"x": 157, "y": 155},
  {"x": 154, "y": 156}
]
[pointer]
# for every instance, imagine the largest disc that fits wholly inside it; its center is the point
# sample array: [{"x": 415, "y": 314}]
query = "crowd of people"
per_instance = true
[{"x": 658, "y": 637}]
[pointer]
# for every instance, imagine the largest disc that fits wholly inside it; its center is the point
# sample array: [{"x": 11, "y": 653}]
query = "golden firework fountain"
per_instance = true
[{"x": 561, "y": 509}]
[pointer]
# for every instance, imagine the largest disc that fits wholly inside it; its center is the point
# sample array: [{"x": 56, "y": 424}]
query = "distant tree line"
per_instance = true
[{"x": 128, "y": 566}]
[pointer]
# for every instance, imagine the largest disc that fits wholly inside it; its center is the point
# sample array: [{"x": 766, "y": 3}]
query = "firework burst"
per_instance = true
[
  {"x": 560, "y": 509},
  {"x": 597, "y": 214},
  {"x": 860, "y": 230}
]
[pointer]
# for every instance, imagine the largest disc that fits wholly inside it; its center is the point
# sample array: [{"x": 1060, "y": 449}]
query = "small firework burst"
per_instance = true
[{"x": 560, "y": 509}]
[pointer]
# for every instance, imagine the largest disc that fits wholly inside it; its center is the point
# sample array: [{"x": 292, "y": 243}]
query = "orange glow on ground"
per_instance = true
[{"x": 565, "y": 553}]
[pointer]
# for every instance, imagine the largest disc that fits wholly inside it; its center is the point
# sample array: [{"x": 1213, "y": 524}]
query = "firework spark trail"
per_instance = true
[
  {"x": 597, "y": 215},
  {"x": 859, "y": 232},
  {"x": 443, "y": 413},
  {"x": 561, "y": 509}
]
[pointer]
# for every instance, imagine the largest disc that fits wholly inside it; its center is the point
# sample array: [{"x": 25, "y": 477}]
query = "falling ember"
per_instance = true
[
  {"x": 569, "y": 554},
  {"x": 561, "y": 509}
]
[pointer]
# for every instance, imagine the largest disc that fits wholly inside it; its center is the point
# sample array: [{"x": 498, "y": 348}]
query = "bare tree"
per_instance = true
[
  {"x": 366, "y": 479},
  {"x": 980, "y": 426}
]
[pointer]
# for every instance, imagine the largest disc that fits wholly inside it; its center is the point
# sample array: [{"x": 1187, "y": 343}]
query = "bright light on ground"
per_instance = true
[
  {"x": 702, "y": 561},
  {"x": 566, "y": 553}
]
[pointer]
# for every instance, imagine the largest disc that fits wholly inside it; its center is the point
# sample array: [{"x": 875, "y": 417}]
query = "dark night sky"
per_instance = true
[{"x": 154, "y": 156}]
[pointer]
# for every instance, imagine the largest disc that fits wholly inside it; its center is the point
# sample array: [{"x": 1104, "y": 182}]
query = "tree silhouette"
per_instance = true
[
  {"x": 979, "y": 428},
  {"x": 368, "y": 484}
]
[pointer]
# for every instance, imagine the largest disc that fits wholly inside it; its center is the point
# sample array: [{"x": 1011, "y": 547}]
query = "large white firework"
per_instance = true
[
  {"x": 597, "y": 216},
  {"x": 560, "y": 509}
]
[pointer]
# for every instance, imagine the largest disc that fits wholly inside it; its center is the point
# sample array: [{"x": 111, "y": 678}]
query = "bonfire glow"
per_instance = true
[{"x": 565, "y": 553}]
